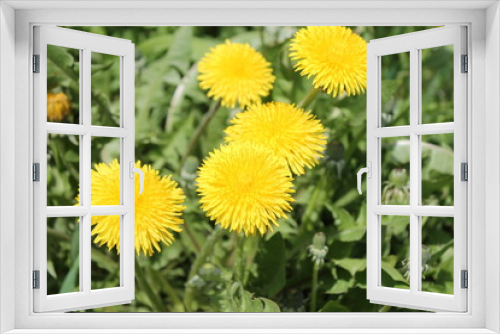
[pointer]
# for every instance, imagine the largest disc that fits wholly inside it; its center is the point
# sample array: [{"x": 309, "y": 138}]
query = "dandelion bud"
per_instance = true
[
  {"x": 318, "y": 249},
  {"x": 58, "y": 107},
  {"x": 209, "y": 272}
]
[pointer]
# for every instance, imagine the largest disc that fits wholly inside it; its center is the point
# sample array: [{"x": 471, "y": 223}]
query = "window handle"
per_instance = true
[
  {"x": 368, "y": 171},
  {"x": 138, "y": 171}
]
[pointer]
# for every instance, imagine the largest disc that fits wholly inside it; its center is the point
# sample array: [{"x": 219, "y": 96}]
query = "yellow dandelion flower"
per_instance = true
[
  {"x": 245, "y": 187},
  {"x": 236, "y": 74},
  {"x": 335, "y": 56},
  {"x": 292, "y": 134},
  {"x": 157, "y": 209},
  {"x": 58, "y": 106}
]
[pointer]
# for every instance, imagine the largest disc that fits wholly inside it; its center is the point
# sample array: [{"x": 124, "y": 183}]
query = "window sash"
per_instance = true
[
  {"x": 86, "y": 43},
  {"x": 412, "y": 43}
]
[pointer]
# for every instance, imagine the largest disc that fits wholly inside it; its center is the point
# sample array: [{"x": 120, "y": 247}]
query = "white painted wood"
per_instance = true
[
  {"x": 413, "y": 43},
  {"x": 415, "y": 179},
  {"x": 418, "y": 129},
  {"x": 407, "y": 210},
  {"x": 431, "y": 129},
  {"x": 471, "y": 322},
  {"x": 76, "y": 129},
  {"x": 491, "y": 161},
  {"x": 255, "y": 4},
  {"x": 7, "y": 167},
  {"x": 127, "y": 97},
  {"x": 76, "y": 211},
  {"x": 257, "y": 331},
  {"x": 86, "y": 297},
  {"x": 85, "y": 181}
]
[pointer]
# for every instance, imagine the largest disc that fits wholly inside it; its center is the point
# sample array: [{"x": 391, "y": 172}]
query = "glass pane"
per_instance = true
[
  {"x": 63, "y": 85},
  {"x": 395, "y": 234},
  {"x": 105, "y": 252},
  {"x": 437, "y": 254},
  {"x": 63, "y": 251},
  {"x": 395, "y": 170},
  {"x": 437, "y": 169},
  {"x": 106, "y": 186},
  {"x": 63, "y": 166},
  {"x": 395, "y": 89},
  {"x": 437, "y": 84},
  {"x": 105, "y": 83}
]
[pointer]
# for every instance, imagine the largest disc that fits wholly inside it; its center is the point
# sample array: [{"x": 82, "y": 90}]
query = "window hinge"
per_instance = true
[
  {"x": 36, "y": 279},
  {"x": 464, "y": 171},
  {"x": 465, "y": 64},
  {"x": 464, "y": 279},
  {"x": 36, "y": 63},
  {"x": 36, "y": 172}
]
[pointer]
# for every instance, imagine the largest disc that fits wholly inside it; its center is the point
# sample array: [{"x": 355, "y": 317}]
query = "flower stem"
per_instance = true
[
  {"x": 314, "y": 287},
  {"x": 385, "y": 308},
  {"x": 206, "y": 251},
  {"x": 309, "y": 98},
  {"x": 146, "y": 287},
  {"x": 178, "y": 97},
  {"x": 172, "y": 294},
  {"x": 199, "y": 130},
  {"x": 306, "y": 217},
  {"x": 241, "y": 258},
  {"x": 192, "y": 237}
]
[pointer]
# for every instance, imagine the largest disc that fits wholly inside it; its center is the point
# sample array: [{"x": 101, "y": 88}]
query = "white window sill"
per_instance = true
[{"x": 251, "y": 331}]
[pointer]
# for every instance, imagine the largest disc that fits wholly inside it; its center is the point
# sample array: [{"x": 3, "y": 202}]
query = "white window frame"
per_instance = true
[{"x": 484, "y": 142}]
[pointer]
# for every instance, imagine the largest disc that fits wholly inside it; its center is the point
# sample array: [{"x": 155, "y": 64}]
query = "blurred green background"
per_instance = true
[{"x": 216, "y": 271}]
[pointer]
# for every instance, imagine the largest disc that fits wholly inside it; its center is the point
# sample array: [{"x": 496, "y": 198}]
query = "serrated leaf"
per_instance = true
[
  {"x": 270, "y": 306},
  {"x": 333, "y": 306},
  {"x": 155, "y": 45},
  {"x": 343, "y": 219},
  {"x": 340, "y": 286},
  {"x": 351, "y": 265},
  {"x": 352, "y": 234},
  {"x": 178, "y": 54},
  {"x": 59, "y": 56},
  {"x": 69, "y": 281},
  {"x": 270, "y": 262},
  {"x": 441, "y": 158},
  {"x": 401, "y": 151},
  {"x": 349, "y": 230},
  {"x": 393, "y": 272}
]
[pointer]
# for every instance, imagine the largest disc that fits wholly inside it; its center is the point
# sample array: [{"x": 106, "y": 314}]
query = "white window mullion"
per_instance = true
[
  {"x": 127, "y": 98},
  {"x": 373, "y": 190},
  {"x": 40, "y": 157},
  {"x": 85, "y": 182},
  {"x": 415, "y": 276},
  {"x": 460, "y": 156}
]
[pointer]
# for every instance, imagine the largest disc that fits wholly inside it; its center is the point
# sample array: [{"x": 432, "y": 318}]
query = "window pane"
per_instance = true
[
  {"x": 437, "y": 169},
  {"x": 395, "y": 170},
  {"x": 63, "y": 165},
  {"x": 106, "y": 185},
  {"x": 63, "y": 85},
  {"x": 437, "y": 84},
  {"x": 395, "y": 243},
  {"x": 105, "y": 252},
  {"x": 105, "y": 89},
  {"x": 63, "y": 251},
  {"x": 395, "y": 89},
  {"x": 437, "y": 254}
]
